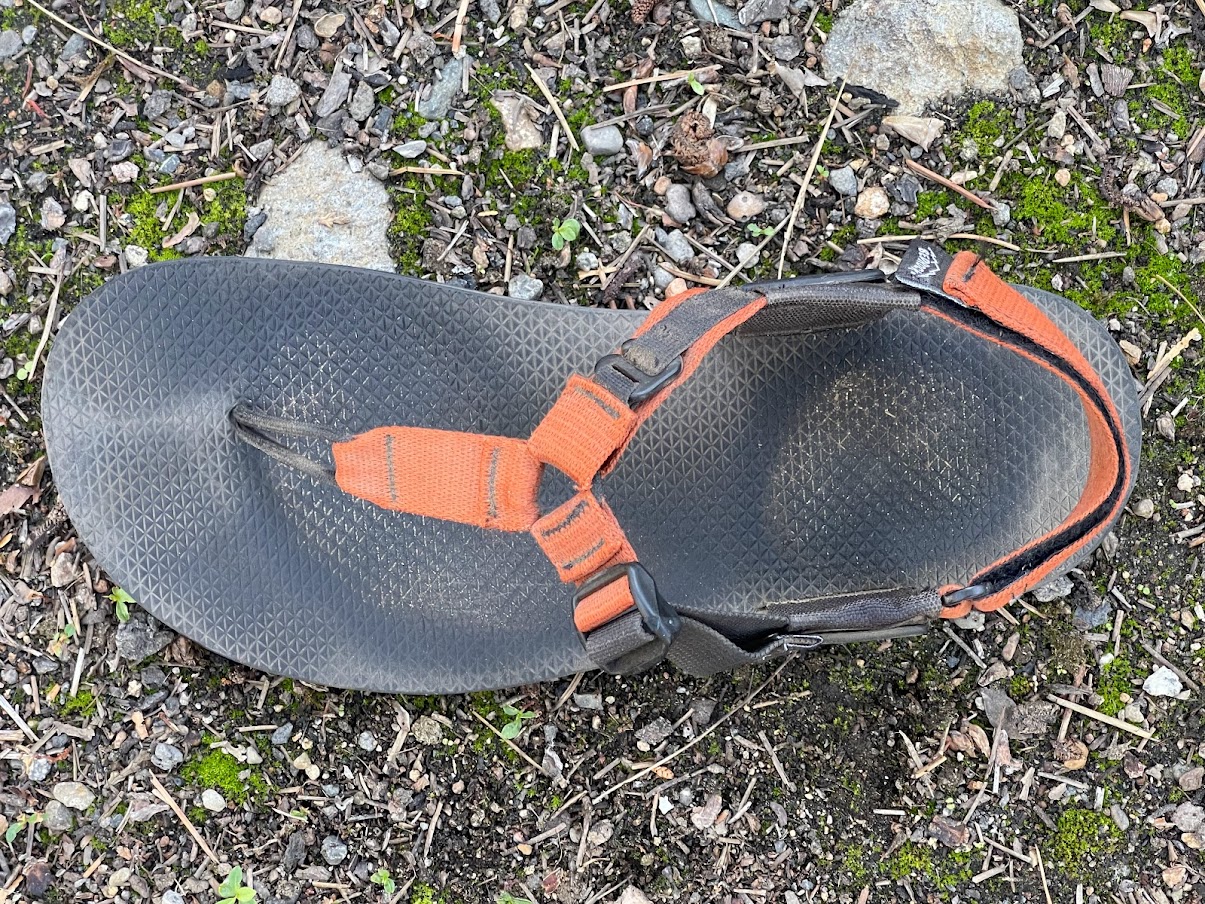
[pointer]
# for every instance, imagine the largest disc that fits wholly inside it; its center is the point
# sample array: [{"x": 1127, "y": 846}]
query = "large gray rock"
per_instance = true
[
  {"x": 319, "y": 210},
  {"x": 141, "y": 636},
  {"x": 918, "y": 53}
]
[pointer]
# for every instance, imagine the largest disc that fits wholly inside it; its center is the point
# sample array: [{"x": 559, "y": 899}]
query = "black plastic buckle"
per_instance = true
[
  {"x": 966, "y": 594},
  {"x": 658, "y": 616},
  {"x": 645, "y": 385}
]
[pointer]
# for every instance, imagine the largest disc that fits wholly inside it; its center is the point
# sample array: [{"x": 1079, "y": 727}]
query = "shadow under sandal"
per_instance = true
[{"x": 368, "y": 481}]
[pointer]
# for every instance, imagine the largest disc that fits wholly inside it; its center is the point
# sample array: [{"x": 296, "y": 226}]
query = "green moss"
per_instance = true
[
  {"x": 929, "y": 203},
  {"x": 841, "y": 238},
  {"x": 1080, "y": 834},
  {"x": 133, "y": 23},
  {"x": 1112, "y": 34},
  {"x": 146, "y": 230},
  {"x": 228, "y": 207},
  {"x": 1019, "y": 687},
  {"x": 411, "y": 220},
  {"x": 219, "y": 770},
  {"x": 1065, "y": 216},
  {"x": 82, "y": 704},
  {"x": 201, "y": 48},
  {"x": 1178, "y": 62},
  {"x": 406, "y": 124},
  {"x": 911, "y": 861},
  {"x": 198, "y": 814},
  {"x": 421, "y": 893},
  {"x": 824, "y": 21},
  {"x": 853, "y": 865},
  {"x": 986, "y": 124},
  {"x": 1114, "y": 681}
]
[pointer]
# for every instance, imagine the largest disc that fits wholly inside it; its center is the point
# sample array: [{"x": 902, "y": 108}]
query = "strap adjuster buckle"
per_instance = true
[
  {"x": 967, "y": 594},
  {"x": 658, "y": 616},
  {"x": 645, "y": 385}
]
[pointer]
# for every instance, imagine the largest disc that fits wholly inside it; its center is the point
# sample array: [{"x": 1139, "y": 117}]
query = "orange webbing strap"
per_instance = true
[
  {"x": 970, "y": 281},
  {"x": 582, "y": 430},
  {"x": 486, "y": 481}
]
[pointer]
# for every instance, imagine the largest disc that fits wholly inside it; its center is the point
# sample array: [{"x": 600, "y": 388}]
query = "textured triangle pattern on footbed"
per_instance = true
[{"x": 902, "y": 453}]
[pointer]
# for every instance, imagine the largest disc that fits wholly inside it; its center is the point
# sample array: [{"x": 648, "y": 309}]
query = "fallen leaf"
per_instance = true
[
  {"x": 185, "y": 231},
  {"x": 1148, "y": 20},
  {"x": 14, "y": 498}
]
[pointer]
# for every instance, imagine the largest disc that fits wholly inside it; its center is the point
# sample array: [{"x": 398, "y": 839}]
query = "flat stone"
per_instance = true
[
  {"x": 678, "y": 204},
  {"x": 445, "y": 90},
  {"x": 8, "y": 222},
  {"x": 281, "y": 735},
  {"x": 334, "y": 851},
  {"x": 366, "y": 741},
  {"x": 427, "y": 731},
  {"x": 362, "y": 102},
  {"x": 56, "y": 818},
  {"x": 757, "y": 11},
  {"x": 716, "y": 13},
  {"x": 704, "y": 817},
  {"x": 39, "y": 769},
  {"x": 786, "y": 47},
  {"x": 75, "y": 795},
  {"x": 52, "y": 214},
  {"x": 411, "y": 149},
  {"x": 677, "y": 247},
  {"x": 1163, "y": 682},
  {"x": 919, "y": 53},
  {"x": 655, "y": 732},
  {"x": 142, "y": 635},
  {"x": 518, "y": 114},
  {"x": 76, "y": 47},
  {"x": 212, "y": 801},
  {"x": 335, "y": 94},
  {"x": 588, "y": 701},
  {"x": 1188, "y": 817},
  {"x": 524, "y": 287},
  {"x": 294, "y": 853},
  {"x": 747, "y": 254},
  {"x": 282, "y": 90},
  {"x": 844, "y": 181},
  {"x": 1057, "y": 589},
  {"x": 745, "y": 205},
  {"x": 167, "y": 756},
  {"x": 345, "y": 223},
  {"x": 10, "y": 43},
  {"x": 872, "y": 203},
  {"x": 603, "y": 141}
]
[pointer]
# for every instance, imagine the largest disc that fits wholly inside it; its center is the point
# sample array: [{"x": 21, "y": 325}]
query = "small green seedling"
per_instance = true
[
  {"x": 760, "y": 231},
  {"x": 565, "y": 232},
  {"x": 695, "y": 85},
  {"x": 121, "y": 603},
  {"x": 505, "y": 897},
  {"x": 25, "y": 371},
  {"x": 382, "y": 878},
  {"x": 511, "y": 729},
  {"x": 233, "y": 891},
  {"x": 21, "y": 822}
]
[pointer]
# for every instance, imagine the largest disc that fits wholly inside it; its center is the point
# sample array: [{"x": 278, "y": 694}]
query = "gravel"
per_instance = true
[
  {"x": 75, "y": 795},
  {"x": 676, "y": 246},
  {"x": 444, "y": 91},
  {"x": 142, "y": 636},
  {"x": 282, "y": 90},
  {"x": 8, "y": 222},
  {"x": 602, "y": 141},
  {"x": 524, "y": 287},
  {"x": 844, "y": 181},
  {"x": 10, "y": 43},
  {"x": 334, "y": 851},
  {"x": 678, "y": 204},
  {"x": 167, "y": 756}
]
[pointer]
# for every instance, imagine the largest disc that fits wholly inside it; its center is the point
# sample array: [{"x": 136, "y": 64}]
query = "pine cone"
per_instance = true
[{"x": 694, "y": 143}]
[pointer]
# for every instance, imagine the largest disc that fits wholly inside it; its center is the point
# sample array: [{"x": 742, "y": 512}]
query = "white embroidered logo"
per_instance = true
[{"x": 925, "y": 264}]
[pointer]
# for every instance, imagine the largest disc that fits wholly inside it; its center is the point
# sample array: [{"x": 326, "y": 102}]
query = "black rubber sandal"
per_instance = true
[{"x": 356, "y": 479}]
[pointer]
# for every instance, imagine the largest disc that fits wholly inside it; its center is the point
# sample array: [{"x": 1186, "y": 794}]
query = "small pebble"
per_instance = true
[
  {"x": 282, "y": 90},
  {"x": 75, "y": 795},
  {"x": 39, "y": 769},
  {"x": 427, "y": 731},
  {"x": 603, "y": 141},
  {"x": 167, "y": 756},
  {"x": 844, "y": 181},
  {"x": 677, "y": 247},
  {"x": 1185, "y": 483},
  {"x": 524, "y": 287},
  {"x": 745, "y": 205},
  {"x": 678, "y": 204},
  {"x": 282, "y": 734},
  {"x": 1163, "y": 682},
  {"x": 56, "y": 817},
  {"x": 367, "y": 741},
  {"x": 872, "y": 203},
  {"x": 1144, "y": 508},
  {"x": 588, "y": 701},
  {"x": 213, "y": 801},
  {"x": 334, "y": 851}
]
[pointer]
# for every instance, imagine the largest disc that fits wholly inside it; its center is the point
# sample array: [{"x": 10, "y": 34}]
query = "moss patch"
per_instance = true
[
  {"x": 1114, "y": 681},
  {"x": 1080, "y": 835},
  {"x": 219, "y": 770},
  {"x": 986, "y": 124},
  {"x": 133, "y": 23},
  {"x": 910, "y": 862},
  {"x": 82, "y": 705}
]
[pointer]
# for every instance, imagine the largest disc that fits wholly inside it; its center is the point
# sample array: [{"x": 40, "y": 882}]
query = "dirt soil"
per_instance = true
[{"x": 136, "y": 766}]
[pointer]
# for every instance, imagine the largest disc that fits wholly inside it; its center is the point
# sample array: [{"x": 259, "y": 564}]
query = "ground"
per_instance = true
[{"x": 930, "y": 769}]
